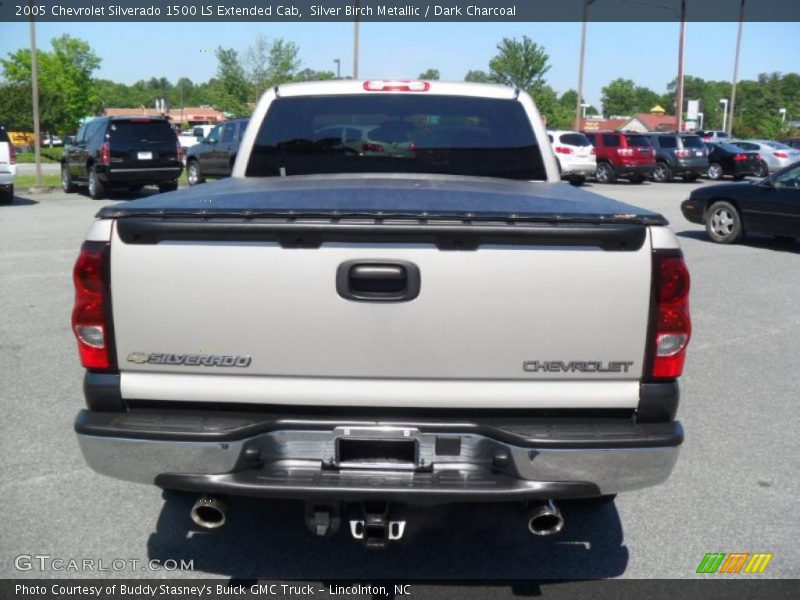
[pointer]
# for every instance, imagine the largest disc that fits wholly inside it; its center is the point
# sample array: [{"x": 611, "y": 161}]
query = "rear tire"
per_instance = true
[
  {"x": 66, "y": 180},
  {"x": 763, "y": 170},
  {"x": 97, "y": 190},
  {"x": 715, "y": 172},
  {"x": 605, "y": 173},
  {"x": 193, "y": 173},
  {"x": 662, "y": 173},
  {"x": 724, "y": 223},
  {"x": 170, "y": 186},
  {"x": 7, "y": 195}
]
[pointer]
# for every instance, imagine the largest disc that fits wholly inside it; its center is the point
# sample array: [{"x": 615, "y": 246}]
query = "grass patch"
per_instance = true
[
  {"x": 49, "y": 155},
  {"x": 26, "y": 181}
]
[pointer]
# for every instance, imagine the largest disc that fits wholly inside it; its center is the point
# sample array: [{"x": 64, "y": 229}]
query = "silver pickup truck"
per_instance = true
[{"x": 392, "y": 302}]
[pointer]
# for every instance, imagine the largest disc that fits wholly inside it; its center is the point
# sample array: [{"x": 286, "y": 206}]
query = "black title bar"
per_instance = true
[{"x": 400, "y": 11}]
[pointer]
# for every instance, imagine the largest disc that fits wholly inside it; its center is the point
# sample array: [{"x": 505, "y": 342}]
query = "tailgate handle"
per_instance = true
[{"x": 378, "y": 280}]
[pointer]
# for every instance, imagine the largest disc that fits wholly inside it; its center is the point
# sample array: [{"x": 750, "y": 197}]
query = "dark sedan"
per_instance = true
[
  {"x": 729, "y": 210},
  {"x": 728, "y": 159}
]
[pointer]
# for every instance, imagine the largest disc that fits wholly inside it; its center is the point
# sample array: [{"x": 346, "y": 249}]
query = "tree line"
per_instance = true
[{"x": 69, "y": 91}]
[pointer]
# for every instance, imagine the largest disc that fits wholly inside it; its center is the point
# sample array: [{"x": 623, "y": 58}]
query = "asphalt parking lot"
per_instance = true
[{"x": 735, "y": 487}]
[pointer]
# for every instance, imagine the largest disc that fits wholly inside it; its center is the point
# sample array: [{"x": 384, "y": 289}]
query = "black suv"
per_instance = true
[
  {"x": 215, "y": 155},
  {"x": 122, "y": 152},
  {"x": 679, "y": 154}
]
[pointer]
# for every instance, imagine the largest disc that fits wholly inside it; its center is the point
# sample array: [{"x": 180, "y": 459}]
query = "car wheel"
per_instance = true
[
  {"x": 170, "y": 186},
  {"x": 193, "y": 173},
  {"x": 636, "y": 179},
  {"x": 723, "y": 223},
  {"x": 763, "y": 169},
  {"x": 662, "y": 173},
  {"x": 66, "y": 180},
  {"x": 577, "y": 180},
  {"x": 97, "y": 190},
  {"x": 715, "y": 171},
  {"x": 605, "y": 173}
]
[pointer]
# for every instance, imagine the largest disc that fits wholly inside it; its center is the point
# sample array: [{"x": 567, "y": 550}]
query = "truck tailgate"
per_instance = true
[{"x": 527, "y": 320}]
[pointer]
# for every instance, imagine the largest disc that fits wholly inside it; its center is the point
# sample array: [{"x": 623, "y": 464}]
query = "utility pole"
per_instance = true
[
  {"x": 338, "y": 68},
  {"x": 736, "y": 68},
  {"x": 579, "y": 101},
  {"x": 37, "y": 151},
  {"x": 355, "y": 40},
  {"x": 679, "y": 91}
]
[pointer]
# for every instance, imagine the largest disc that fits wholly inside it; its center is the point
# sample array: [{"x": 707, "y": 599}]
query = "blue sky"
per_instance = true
[{"x": 644, "y": 52}]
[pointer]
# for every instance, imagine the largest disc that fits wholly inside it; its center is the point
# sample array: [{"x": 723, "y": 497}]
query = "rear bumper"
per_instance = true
[
  {"x": 7, "y": 178},
  {"x": 143, "y": 176},
  {"x": 450, "y": 459},
  {"x": 695, "y": 165},
  {"x": 634, "y": 170}
]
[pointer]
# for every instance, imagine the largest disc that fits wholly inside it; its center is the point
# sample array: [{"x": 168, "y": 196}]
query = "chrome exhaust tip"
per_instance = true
[
  {"x": 545, "y": 519},
  {"x": 209, "y": 512}
]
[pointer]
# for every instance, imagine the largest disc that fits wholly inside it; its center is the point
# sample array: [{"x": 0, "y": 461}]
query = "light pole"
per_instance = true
[
  {"x": 736, "y": 68},
  {"x": 338, "y": 68},
  {"x": 584, "y": 106},
  {"x": 355, "y": 40},
  {"x": 782, "y": 113},
  {"x": 700, "y": 125},
  {"x": 37, "y": 152},
  {"x": 724, "y": 113},
  {"x": 679, "y": 91},
  {"x": 579, "y": 101}
]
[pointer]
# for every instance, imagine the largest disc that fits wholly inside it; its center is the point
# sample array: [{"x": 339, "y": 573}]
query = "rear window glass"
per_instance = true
[
  {"x": 133, "y": 132},
  {"x": 575, "y": 139},
  {"x": 778, "y": 146},
  {"x": 637, "y": 140},
  {"x": 693, "y": 141},
  {"x": 667, "y": 141},
  {"x": 400, "y": 133},
  {"x": 730, "y": 148}
]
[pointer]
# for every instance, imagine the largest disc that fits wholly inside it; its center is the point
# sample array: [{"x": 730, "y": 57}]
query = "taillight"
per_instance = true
[
  {"x": 563, "y": 150},
  {"x": 105, "y": 154},
  {"x": 593, "y": 151},
  {"x": 91, "y": 316},
  {"x": 780, "y": 154},
  {"x": 180, "y": 151},
  {"x": 396, "y": 85},
  {"x": 739, "y": 157},
  {"x": 671, "y": 327},
  {"x": 12, "y": 154},
  {"x": 365, "y": 147}
]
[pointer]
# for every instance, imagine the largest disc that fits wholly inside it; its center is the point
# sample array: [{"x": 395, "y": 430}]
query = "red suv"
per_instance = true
[{"x": 620, "y": 154}]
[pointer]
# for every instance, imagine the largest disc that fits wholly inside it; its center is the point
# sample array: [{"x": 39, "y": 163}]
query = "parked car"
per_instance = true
[
  {"x": 774, "y": 155},
  {"x": 215, "y": 155},
  {"x": 730, "y": 210},
  {"x": 362, "y": 332},
  {"x": 794, "y": 142},
  {"x": 51, "y": 141},
  {"x": 679, "y": 154},
  {"x": 122, "y": 152},
  {"x": 194, "y": 136},
  {"x": 714, "y": 136},
  {"x": 575, "y": 155},
  {"x": 8, "y": 167},
  {"x": 729, "y": 159},
  {"x": 622, "y": 154}
]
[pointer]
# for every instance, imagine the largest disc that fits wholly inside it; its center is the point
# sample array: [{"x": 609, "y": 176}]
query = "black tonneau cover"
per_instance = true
[
  {"x": 455, "y": 213},
  {"x": 386, "y": 196}
]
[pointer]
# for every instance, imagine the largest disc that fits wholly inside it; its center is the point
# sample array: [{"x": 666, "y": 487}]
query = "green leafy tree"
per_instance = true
[
  {"x": 521, "y": 64},
  {"x": 312, "y": 75},
  {"x": 624, "y": 97},
  {"x": 66, "y": 87},
  {"x": 270, "y": 64},
  {"x": 478, "y": 76},
  {"x": 429, "y": 74},
  {"x": 231, "y": 90},
  {"x": 16, "y": 106}
]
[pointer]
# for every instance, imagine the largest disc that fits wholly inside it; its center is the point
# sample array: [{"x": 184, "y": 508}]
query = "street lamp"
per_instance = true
[
  {"x": 700, "y": 117},
  {"x": 578, "y": 107},
  {"x": 584, "y": 107},
  {"x": 782, "y": 113},
  {"x": 725, "y": 113},
  {"x": 338, "y": 68}
]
